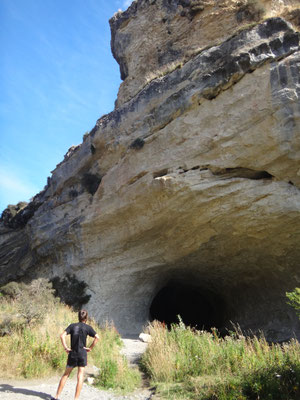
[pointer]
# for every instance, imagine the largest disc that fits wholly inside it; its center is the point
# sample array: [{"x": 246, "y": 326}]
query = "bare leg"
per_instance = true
[
  {"x": 80, "y": 376},
  {"x": 63, "y": 380}
]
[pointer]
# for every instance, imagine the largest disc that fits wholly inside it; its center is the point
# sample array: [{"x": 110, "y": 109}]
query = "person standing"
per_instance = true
[{"x": 77, "y": 354}]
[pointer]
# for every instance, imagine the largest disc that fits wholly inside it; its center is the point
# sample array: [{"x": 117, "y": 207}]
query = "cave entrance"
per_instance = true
[{"x": 198, "y": 307}]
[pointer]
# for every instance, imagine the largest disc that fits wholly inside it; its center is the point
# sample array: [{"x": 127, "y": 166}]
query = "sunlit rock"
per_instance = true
[{"x": 186, "y": 198}]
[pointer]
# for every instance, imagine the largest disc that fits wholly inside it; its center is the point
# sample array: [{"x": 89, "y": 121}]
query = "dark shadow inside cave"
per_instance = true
[{"x": 197, "y": 307}]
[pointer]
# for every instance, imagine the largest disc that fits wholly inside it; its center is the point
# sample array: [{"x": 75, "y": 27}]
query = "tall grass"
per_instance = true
[
  {"x": 34, "y": 350},
  {"x": 185, "y": 363},
  {"x": 115, "y": 373}
]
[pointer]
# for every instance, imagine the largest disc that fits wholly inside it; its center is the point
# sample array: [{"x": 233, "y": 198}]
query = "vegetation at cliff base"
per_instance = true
[
  {"x": 31, "y": 320},
  {"x": 187, "y": 364},
  {"x": 181, "y": 362},
  {"x": 115, "y": 372},
  {"x": 294, "y": 300}
]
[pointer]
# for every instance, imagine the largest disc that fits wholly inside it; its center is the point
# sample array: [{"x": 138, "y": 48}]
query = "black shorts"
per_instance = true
[{"x": 77, "y": 359}]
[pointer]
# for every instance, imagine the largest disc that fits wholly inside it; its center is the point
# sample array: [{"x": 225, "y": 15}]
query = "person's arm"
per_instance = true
[
  {"x": 63, "y": 341},
  {"x": 96, "y": 338}
]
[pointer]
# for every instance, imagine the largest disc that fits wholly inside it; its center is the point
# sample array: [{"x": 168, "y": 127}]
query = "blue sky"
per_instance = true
[{"x": 57, "y": 77}]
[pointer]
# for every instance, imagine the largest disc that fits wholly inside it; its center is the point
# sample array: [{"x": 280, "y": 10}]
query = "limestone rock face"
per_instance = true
[
  {"x": 154, "y": 37},
  {"x": 186, "y": 198}
]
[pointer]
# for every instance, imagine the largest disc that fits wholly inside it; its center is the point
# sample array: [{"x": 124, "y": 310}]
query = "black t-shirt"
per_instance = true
[{"x": 79, "y": 332}]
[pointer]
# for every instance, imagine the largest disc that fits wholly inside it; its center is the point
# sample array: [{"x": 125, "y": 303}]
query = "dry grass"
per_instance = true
[{"x": 35, "y": 351}]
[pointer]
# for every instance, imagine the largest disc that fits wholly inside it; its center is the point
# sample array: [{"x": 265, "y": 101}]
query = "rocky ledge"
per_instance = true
[
  {"x": 186, "y": 198},
  {"x": 153, "y": 37}
]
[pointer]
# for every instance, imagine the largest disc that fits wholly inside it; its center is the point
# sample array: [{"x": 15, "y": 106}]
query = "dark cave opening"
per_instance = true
[{"x": 198, "y": 307}]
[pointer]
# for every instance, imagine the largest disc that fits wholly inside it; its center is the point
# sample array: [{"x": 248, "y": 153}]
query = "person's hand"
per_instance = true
[
  {"x": 88, "y": 349},
  {"x": 68, "y": 350}
]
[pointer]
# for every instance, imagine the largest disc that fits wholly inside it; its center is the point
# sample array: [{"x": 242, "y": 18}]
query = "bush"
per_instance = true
[
  {"x": 9, "y": 324},
  {"x": 37, "y": 300},
  {"x": 13, "y": 290},
  {"x": 294, "y": 300},
  {"x": 32, "y": 301}
]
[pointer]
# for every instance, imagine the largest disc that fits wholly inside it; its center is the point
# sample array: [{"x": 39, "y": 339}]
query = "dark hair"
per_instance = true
[{"x": 82, "y": 315}]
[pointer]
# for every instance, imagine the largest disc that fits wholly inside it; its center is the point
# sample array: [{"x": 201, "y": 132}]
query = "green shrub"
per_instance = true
[{"x": 294, "y": 300}]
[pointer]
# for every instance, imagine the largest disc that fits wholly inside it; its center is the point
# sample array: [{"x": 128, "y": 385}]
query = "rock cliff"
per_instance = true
[{"x": 186, "y": 198}]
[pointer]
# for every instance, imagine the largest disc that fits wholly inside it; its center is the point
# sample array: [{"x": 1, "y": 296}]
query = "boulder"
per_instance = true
[{"x": 145, "y": 337}]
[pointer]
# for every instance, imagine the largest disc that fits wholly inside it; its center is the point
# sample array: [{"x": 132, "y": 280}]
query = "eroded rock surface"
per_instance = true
[
  {"x": 186, "y": 198},
  {"x": 154, "y": 37}
]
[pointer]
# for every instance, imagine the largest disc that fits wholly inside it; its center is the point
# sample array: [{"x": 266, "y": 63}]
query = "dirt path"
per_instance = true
[
  {"x": 43, "y": 389},
  {"x": 38, "y": 389}
]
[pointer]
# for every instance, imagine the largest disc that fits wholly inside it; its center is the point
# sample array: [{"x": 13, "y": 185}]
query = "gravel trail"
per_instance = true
[
  {"x": 38, "y": 389},
  {"x": 43, "y": 389},
  {"x": 133, "y": 349}
]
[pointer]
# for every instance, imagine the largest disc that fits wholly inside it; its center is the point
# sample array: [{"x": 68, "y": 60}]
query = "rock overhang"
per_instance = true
[{"x": 208, "y": 199}]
